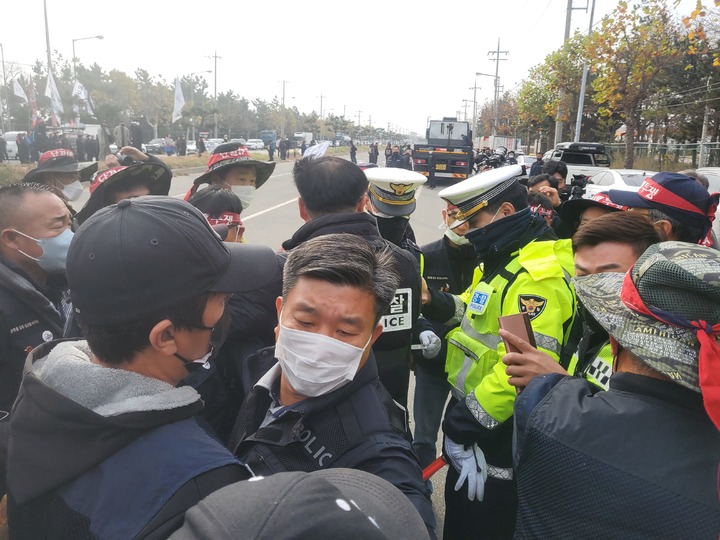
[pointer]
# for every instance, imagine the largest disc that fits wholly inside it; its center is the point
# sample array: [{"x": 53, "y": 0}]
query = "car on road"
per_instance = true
[
  {"x": 11, "y": 139},
  {"x": 625, "y": 179},
  {"x": 155, "y": 146},
  {"x": 191, "y": 148},
  {"x": 255, "y": 144},
  {"x": 211, "y": 144},
  {"x": 525, "y": 161}
]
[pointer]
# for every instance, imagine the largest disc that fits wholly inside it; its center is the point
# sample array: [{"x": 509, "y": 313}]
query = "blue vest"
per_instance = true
[{"x": 122, "y": 494}]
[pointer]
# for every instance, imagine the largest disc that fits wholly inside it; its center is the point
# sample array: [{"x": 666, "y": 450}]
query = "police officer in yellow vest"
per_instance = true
[{"x": 525, "y": 269}]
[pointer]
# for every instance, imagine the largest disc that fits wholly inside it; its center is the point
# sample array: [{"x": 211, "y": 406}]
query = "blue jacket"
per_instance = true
[
  {"x": 637, "y": 461},
  {"x": 357, "y": 426},
  {"x": 76, "y": 473}
]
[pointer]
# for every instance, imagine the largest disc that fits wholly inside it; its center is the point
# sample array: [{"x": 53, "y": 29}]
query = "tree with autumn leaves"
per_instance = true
[{"x": 650, "y": 69}]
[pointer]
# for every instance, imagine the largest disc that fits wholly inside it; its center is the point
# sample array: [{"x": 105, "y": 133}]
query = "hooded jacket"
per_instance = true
[{"x": 106, "y": 453}]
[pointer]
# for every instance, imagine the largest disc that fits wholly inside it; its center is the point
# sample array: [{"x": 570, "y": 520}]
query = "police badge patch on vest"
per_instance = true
[{"x": 531, "y": 304}]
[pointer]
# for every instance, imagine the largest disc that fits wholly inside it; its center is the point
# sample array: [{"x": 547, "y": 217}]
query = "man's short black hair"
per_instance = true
[
  {"x": 12, "y": 196},
  {"x": 329, "y": 184},
  {"x": 517, "y": 195},
  {"x": 215, "y": 200},
  {"x": 682, "y": 232},
  {"x": 552, "y": 167},
  {"x": 535, "y": 180},
  {"x": 119, "y": 343}
]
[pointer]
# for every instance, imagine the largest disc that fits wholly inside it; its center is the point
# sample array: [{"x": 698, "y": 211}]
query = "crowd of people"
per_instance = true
[{"x": 160, "y": 377}]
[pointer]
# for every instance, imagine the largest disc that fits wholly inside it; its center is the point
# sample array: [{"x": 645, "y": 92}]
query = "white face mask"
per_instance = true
[
  {"x": 315, "y": 364},
  {"x": 455, "y": 238},
  {"x": 73, "y": 191},
  {"x": 245, "y": 194}
]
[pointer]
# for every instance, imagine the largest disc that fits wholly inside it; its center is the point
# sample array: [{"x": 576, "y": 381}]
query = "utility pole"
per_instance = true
[
  {"x": 215, "y": 118},
  {"x": 497, "y": 60},
  {"x": 583, "y": 84},
  {"x": 703, "y": 136},
  {"x": 559, "y": 124},
  {"x": 321, "y": 105},
  {"x": 2, "y": 118},
  {"x": 474, "y": 88},
  {"x": 282, "y": 116},
  {"x": 370, "y": 120},
  {"x": 358, "y": 115}
]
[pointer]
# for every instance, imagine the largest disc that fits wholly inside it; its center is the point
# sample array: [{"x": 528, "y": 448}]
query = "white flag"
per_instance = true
[
  {"x": 83, "y": 95},
  {"x": 317, "y": 151},
  {"x": 179, "y": 101},
  {"x": 51, "y": 91},
  {"x": 18, "y": 91}
]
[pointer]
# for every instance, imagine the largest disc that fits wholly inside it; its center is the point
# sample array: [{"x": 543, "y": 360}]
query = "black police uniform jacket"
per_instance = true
[{"x": 357, "y": 426}]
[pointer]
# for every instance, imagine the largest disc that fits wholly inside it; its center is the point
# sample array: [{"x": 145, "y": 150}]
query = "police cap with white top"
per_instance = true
[
  {"x": 477, "y": 192},
  {"x": 392, "y": 190}
]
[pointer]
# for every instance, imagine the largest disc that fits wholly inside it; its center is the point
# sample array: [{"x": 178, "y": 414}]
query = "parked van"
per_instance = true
[{"x": 11, "y": 138}]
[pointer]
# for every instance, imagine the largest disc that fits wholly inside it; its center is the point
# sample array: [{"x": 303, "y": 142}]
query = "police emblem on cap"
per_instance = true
[
  {"x": 532, "y": 305},
  {"x": 401, "y": 189}
]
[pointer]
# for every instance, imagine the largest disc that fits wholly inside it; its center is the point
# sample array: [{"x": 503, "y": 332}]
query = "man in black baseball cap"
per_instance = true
[{"x": 100, "y": 431}]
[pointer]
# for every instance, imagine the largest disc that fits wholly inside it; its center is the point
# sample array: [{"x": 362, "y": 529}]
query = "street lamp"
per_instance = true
[
  {"x": 215, "y": 56},
  {"x": 192, "y": 99},
  {"x": 73, "y": 44}
]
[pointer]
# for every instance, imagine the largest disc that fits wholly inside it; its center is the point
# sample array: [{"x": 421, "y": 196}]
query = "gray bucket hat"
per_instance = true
[{"x": 666, "y": 311}]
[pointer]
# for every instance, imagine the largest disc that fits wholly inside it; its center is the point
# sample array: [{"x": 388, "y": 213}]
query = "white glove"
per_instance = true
[
  {"x": 471, "y": 465},
  {"x": 432, "y": 343}
]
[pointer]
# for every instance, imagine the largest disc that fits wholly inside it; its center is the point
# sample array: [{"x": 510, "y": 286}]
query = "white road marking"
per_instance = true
[{"x": 261, "y": 212}]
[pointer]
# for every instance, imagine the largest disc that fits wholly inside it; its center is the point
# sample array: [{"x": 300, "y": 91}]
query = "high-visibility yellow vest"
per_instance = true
[{"x": 536, "y": 281}]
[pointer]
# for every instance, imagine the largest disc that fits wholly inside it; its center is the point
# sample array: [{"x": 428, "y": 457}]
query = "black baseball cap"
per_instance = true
[
  {"x": 329, "y": 503},
  {"x": 150, "y": 253}
]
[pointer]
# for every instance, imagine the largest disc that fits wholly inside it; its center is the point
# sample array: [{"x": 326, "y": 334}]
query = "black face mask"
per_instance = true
[
  {"x": 396, "y": 153},
  {"x": 218, "y": 335},
  {"x": 590, "y": 321}
]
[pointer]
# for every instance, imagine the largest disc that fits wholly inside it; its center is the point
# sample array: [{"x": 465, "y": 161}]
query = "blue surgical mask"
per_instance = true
[{"x": 54, "y": 251}]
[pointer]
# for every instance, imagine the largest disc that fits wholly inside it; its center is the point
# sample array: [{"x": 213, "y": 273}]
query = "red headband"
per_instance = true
[
  {"x": 238, "y": 155},
  {"x": 706, "y": 334},
  {"x": 52, "y": 154},
  {"x": 226, "y": 218}
]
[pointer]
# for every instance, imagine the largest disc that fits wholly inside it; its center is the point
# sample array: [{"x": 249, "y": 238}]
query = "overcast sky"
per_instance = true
[{"x": 397, "y": 62}]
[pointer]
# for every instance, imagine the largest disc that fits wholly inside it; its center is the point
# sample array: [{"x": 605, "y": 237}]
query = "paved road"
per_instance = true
[{"x": 273, "y": 217}]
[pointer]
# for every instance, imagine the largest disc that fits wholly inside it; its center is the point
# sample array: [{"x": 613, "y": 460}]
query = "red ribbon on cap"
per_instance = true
[
  {"x": 226, "y": 218},
  {"x": 52, "y": 154},
  {"x": 652, "y": 191},
  {"x": 239, "y": 154},
  {"x": 103, "y": 177},
  {"x": 541, "y": 211},
  {"x": 708, "y": 375},
  {"x": 602, "y": 198}
]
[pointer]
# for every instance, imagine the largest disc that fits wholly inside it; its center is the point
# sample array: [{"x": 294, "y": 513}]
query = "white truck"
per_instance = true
[
  {"x": 580, "y": 157},
  {"x": 302, "y": 136}
]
